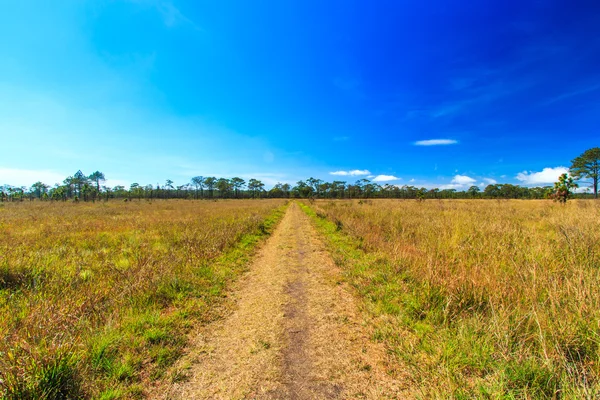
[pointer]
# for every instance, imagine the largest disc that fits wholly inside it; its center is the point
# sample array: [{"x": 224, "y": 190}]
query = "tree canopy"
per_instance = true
[
  {"x": 587, "y": 166},
  {"x": 80, "y": 186}
]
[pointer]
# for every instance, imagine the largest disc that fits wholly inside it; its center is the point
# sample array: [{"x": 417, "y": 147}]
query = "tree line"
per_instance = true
[{"x": 81, "y": 187}]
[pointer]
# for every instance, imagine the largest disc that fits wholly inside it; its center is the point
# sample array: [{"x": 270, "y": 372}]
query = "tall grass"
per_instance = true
[
  {"x": 489, "y": 299},
  {"x": 95, "y": 299}
]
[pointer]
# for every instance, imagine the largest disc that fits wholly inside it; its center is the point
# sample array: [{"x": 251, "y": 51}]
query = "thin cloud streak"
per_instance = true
[
  {"x": 354, "y": 172},
  {"x": 435, "y": 142},
  {"x": 574, "y": 93}
]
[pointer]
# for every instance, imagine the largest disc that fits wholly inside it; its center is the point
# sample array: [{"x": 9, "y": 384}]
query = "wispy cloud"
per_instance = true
[
  {"x": 477, "y": 89},
  {"x": 172, "y": 16},
  {"x": 547, "y": 175},
  {"x": 385, "y": 178},
  {"x": 449, "y": 109},
  {"x": 564, "y": 96},
  {"x": 354, "y": 172},
  {"x": 490, "y": 181},
  {"x": 435, "y": 142}
]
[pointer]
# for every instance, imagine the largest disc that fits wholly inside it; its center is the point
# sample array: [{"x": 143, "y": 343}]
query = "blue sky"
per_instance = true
[{"x": 438, "y": 93}]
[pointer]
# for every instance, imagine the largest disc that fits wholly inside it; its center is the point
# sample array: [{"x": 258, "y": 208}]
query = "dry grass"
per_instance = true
[
  {"x": 295, "y": 332},
  {"x": 490, "y": 299},
  {"x": 95, "y": 299}
]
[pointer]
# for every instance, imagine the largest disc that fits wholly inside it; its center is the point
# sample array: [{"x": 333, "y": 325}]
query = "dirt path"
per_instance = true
[{"x": 296, "y": 332}]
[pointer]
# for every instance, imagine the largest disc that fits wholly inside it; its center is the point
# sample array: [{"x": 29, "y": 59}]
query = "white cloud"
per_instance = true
[
  {"x": 385, "y": 178},
  {"x": 27, "y": 177},
  {"x": 354, "y": 172},
  {"x": 412, "y": 180},
  {"x": 435, "y": 142},
  {"x": 547, "y": 175},
  {"x": 462, "y": 180},
  {"x": 490, "y": 181}
]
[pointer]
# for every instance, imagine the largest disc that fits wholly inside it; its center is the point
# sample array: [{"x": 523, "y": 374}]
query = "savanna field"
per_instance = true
[
  {"x": 479, "y": 298},
  {"x": 96, "y": 299},
  {"x": 472, "y": 298}
]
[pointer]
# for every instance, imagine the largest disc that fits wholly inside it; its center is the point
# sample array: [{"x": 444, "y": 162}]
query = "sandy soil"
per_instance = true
[{"x": 296, "y": 332}]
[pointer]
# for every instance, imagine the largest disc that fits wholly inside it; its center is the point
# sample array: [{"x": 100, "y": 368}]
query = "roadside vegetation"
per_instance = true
[
  {"x": 478, "y": 299},
  {"x": 96, "y": 299}
]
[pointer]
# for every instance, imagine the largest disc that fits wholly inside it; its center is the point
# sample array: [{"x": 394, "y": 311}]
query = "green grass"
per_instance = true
[
  {"x": 453, "y": 298},
  {"x": 101, "y": 308}
]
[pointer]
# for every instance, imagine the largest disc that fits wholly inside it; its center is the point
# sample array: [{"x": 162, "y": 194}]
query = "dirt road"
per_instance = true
[{"x": 296, "y": 332}]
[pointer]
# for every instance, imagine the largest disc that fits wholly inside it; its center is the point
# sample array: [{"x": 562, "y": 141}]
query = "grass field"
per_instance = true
[
  {"x": 96, "y": 299},
  {"x": 473, "y": 298},
  {"x": 481, "y": 298}
]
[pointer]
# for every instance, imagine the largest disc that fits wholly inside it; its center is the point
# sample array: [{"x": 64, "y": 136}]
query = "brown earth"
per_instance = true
[{"x": 296, "y": 332}]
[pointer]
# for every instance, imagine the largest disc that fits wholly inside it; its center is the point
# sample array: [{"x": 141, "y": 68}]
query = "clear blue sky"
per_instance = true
[{"x": 283, "y": 90}]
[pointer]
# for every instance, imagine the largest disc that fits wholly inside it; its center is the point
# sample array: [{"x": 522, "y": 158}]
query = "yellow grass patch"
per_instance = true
[
  {"x": 95, "y": 299},
  {"x": 481, "y": 298}
]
